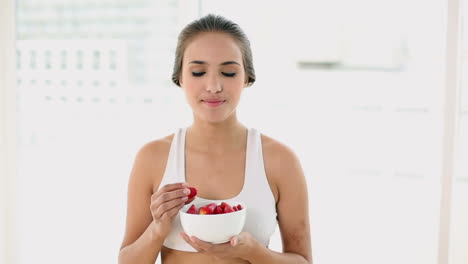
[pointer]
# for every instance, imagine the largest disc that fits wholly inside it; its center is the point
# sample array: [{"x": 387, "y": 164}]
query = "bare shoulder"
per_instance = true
[
  {"x": 153, "y": 157},
  {"x": 278, "y": 155},
  {"x": 157, "y": 146},
  {"x": 277, "y": 147},
  {"x": 155, "y": 149},
  {"x": 281, "y": 163}
]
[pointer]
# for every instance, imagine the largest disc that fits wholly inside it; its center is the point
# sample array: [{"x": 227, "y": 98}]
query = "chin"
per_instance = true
[{"x": 212, "y": 119}]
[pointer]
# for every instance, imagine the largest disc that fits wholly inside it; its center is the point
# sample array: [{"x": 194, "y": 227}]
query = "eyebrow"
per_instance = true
[{"x": 224, "y": 63}]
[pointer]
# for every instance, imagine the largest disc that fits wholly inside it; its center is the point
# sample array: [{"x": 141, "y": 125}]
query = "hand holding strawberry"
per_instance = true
[{"x": 166, "y": 203}]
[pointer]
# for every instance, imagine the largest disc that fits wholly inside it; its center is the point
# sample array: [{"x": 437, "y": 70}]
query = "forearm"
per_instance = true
[
  {"x": 262, "y": 254},
  {"x": 144, "y": 250}
]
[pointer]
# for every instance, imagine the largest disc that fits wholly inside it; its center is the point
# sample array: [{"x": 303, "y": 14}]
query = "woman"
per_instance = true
[{"x": 222, "y": 158}]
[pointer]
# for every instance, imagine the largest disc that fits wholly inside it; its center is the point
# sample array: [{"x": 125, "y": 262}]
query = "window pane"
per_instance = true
[{"x": 93, "y": 78}]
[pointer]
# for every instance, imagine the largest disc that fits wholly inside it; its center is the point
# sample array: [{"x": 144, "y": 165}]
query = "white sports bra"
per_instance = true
[{"x": 256, "y": 193}]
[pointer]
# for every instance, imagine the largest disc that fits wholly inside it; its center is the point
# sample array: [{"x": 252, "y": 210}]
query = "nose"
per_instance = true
[{"x": 214, "y": 84}]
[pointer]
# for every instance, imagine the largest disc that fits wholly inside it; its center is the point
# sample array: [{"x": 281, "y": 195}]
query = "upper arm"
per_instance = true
[
  {"x": 292, "y": 206},
  {"x": 145, "y": 172}
]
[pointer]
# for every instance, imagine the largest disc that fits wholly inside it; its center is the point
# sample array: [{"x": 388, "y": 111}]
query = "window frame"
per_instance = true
[{"x": 451, "y": 117}]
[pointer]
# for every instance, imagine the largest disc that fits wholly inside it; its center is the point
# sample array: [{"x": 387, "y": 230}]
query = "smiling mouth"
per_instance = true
[{"x": 213, "y": 103}]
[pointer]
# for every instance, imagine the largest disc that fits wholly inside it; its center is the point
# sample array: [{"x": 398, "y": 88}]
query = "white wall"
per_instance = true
[{"x": 8, "y": 132}]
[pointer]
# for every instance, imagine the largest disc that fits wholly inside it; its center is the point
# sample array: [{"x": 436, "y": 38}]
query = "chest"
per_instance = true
[{"x": 216, "y": 176}]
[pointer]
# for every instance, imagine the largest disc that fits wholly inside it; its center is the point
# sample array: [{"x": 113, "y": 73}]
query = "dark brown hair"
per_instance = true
[{"x": 213, "y": 23}]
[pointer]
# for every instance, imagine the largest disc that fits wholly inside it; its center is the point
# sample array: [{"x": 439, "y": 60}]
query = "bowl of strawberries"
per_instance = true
[{"x": 213, "y": 222}]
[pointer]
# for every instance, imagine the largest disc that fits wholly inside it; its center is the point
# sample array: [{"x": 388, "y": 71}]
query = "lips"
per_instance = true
[{"x": 213, "y": 103}]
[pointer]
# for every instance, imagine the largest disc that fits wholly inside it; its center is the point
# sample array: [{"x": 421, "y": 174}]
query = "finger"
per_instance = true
[
  {"x": 168, "y": 188},
  {"x": 174, "y": 186},
  {"x": 172, "y": 212},
  {"x": 174, "y": 204},
  {"x": 240, "y": 239},
  {"x": 201, "y": 244},
  {"x": 168, "y": 196},
  {"x": 234, "y": 241},
  {"x": 190, "y": 200},
  {"x": 187, "y": 239}
]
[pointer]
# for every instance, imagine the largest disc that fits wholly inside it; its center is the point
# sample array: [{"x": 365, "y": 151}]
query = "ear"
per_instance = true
[{"x": 180, "y": 79}]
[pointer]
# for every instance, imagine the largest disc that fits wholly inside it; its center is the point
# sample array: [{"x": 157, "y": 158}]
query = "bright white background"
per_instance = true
[{"x": 355, "y": 88}]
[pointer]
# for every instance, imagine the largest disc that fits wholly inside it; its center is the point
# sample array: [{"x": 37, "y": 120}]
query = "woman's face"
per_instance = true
[{"x": 213, "y": 71}]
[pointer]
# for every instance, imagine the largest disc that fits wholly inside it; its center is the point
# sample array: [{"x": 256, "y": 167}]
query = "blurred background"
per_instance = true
[{"x": 355, "y": 88}]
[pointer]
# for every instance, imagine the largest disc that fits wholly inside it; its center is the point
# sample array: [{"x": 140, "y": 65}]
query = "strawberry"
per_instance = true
[
  {"x": 219, "y": 210},
  {"x": 205, "y": 211},
  {"x": 212, "y": 206},
  {"x": 208, "y": 209},
  {"x": 228, "y": 209},
  {"x": 193, "y": 192},
  {"x": 192, "y": 210}
]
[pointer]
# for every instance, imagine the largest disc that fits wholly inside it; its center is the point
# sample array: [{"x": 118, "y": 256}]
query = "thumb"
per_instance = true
[
  {"x": 238, "y": 240},
  {"x": 235, "y": 240}
]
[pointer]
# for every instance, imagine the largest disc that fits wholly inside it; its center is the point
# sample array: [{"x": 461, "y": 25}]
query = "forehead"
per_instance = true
[{"x": 213, "y": 47}]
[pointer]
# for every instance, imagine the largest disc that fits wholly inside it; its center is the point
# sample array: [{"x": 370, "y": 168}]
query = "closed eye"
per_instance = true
[
  {"x": 197, "y": 74},
  {"x": 229, "y": 74}
]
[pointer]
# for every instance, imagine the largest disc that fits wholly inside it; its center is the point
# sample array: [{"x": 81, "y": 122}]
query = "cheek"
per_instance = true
[
  {"x": 191, "y": 95},
  {"x": 234, "y": 84}
]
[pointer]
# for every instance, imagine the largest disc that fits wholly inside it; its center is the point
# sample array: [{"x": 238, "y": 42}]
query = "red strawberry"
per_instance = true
[
  {"x": 208, "y": 209},
  {"x": 228, "y": 209},
  {"x": 239, "y": 207},
  {"x": 212, "y": 206},
  {"x": 223, "y": 205},
  {"x": 193, "y": 192},
  {"x": 235, "y": 208},
  {"x": 192, "y": 210},
  {"x": 205, "y": 211},
  {"x": 219, "y": 210}
]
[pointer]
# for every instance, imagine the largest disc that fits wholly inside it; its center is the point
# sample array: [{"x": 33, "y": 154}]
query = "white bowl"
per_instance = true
[{"x": 215, "y": 228}]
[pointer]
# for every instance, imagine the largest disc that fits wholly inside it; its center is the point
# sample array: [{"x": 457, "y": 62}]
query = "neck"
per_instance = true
[{"x": 216, "y": 138}]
